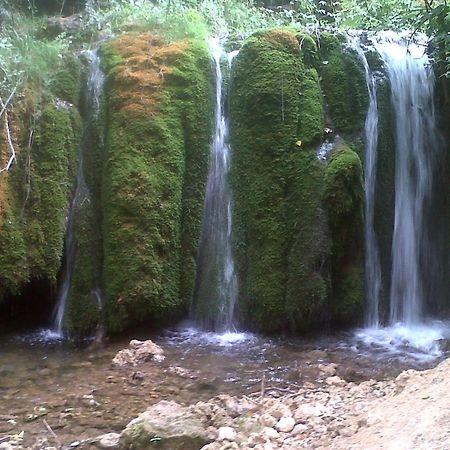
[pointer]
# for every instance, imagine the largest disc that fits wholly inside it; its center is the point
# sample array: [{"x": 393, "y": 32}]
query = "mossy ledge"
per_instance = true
[{"x": 159, "y": 125}]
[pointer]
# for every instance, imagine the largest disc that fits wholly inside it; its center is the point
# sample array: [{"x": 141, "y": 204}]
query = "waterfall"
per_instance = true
[
  {"x": 416, "y": 138},
  {"x": 94, "y": 86},
  {"x": 216, "y": 285},
  {"x": 371, "y": 258}
]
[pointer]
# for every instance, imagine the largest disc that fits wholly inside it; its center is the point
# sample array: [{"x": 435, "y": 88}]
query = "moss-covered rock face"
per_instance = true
[
  {"x": 158, "y": 132},
  {"x": 343, "y": 84},
  {"x": 344, "y": 201},
  {"x": 35, "y": 194},
  {"x": 299, "y": 229},
  {"x": 276, "y": 112}
]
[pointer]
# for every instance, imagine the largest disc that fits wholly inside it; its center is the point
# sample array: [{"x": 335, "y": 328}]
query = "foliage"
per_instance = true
[
  {"x": 26, "y": 58},
  {"x": 178, "y": 18},
  {"x": 378, "y": 15},
  {"x": 436, "y": 20}
]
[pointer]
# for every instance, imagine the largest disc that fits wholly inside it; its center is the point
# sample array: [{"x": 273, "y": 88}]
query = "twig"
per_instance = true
[
  {"x": 8, "y": 135},
  {"x": 263, "y": 385},
  {"x": 4, "y": 105},
  {"x": 55, "y": 437}
]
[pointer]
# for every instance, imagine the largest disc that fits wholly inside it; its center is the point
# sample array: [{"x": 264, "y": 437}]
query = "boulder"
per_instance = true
[
  {"x": 138, "y": 353},
  {"x": 108, "y": 441},
  {"x": 165, "y": 426}
]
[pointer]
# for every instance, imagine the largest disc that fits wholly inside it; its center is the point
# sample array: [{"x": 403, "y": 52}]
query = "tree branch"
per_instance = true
[{"x": 8, "y": 136}]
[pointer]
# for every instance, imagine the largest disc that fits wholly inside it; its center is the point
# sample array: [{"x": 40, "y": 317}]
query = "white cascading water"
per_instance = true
[
  {"x": 372, "y": 258},
  {"x": 95, "y": 84},
  {"x": 416, "y": 157},
  {"x": 216, "y": 279},
  {"x": 412, "y": 86}
]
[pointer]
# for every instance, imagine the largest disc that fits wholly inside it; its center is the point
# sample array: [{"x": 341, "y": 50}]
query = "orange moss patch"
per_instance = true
[
  {"x": 285, "y": 38},
  {"x": 147, "y": 59}
]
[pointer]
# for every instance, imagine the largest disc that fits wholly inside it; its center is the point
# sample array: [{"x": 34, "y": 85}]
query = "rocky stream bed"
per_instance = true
[{"x": 86, "y": 399}]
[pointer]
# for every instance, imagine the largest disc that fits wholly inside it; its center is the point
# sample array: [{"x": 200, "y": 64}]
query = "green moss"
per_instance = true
[
  {"x": 308, "y": 251},
  {"x": 343, "y": 84},
  {"x": 52, "y": 174},
  {"x": 13, "y": 265},
  {"x": 264, "y": 117},
  {"x": 385, "y": 185},
  {"x": 85, "y": 304},
  {"x": 312, "y": 118},
  {"x": 343, "y": 200},
  {"x": 38, "y": 191},
  {"x": 197, "y": 123},
  {"x": 66, "y": 82},
  {"x": 308, "y": 50},
  {"x": 277, "y": 185},
  {"x": 151, "y": 203},
  {"x": 84, "y": 307}
]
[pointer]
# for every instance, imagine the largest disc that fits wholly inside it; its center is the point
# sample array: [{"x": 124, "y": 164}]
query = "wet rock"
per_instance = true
[
  {"x": 285, "y": 424},
  {"x": 138, "y": 353},
  {"x": 166, "y": 426}
]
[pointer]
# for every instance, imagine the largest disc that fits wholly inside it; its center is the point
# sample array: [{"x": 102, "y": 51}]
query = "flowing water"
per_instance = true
[
  {"x": 217, "y": 286},
  {"x": 416, "y": 155},
  {"x": 372, "y": 259},
  {"x": 95, "y": 84},
  {"x": 81, "y": 395},
  {"x": 412, "y": 86}
]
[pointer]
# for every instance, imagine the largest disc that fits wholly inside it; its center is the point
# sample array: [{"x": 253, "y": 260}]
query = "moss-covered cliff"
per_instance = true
[
  {"x": 159, "y": 118},
  {"x": 284, "y": 248},
  {"x": 36, "y": 194}
]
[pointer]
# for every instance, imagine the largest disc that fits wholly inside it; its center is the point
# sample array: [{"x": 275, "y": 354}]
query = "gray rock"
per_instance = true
[
  {"x": 165, "y": 426},
  {"x": 108, "y": 441}
]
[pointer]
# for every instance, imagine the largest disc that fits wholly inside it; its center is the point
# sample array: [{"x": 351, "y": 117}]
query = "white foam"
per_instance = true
[
  {"x": 418, "y": 341},
  {"x": 224, "y": 339},
  {"x": 44, "y": 336}
]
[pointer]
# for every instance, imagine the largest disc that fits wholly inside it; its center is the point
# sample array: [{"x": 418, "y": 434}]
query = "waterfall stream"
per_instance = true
[
  {"x": 412, "y": 86},
  {"x": 416, "y": 156},
  {"x": 94, "y": 87},
  {"x": 372, "y": 258},
  {"x": 217, "y": 286}
]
